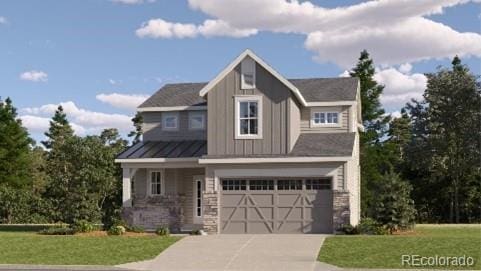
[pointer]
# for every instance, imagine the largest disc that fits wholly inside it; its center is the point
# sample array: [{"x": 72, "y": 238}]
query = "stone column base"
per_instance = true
[{"x": 340, "y": 209}]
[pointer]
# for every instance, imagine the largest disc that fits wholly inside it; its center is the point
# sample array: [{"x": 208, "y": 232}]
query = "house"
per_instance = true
[{"x": 248, "y": 152}]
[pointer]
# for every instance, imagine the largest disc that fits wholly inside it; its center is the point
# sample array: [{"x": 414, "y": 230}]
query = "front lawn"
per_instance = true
[
  {"x": 32, "y": 248},
  {"x": 362, "y": 251}
]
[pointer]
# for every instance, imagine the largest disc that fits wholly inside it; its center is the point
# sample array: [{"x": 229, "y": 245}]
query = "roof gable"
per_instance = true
[{"x": 233, "y": 64}]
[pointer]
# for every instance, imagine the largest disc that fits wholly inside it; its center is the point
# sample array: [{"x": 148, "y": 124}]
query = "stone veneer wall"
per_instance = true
[
  {"x": 153, "y": 212},
  {"x": 211, "y": 212},
  {"x": 340, "y": 209}
]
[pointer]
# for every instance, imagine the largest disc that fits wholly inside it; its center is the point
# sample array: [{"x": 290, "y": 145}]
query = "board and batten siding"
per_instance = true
[
  {"x": 343, "y": 117},
  {"x": 275, "y": 116},
  {"x": 152, "y": 128}
]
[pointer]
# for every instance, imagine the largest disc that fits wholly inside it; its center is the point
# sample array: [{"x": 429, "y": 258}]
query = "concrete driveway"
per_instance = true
[{"x": 239, "y": 252}]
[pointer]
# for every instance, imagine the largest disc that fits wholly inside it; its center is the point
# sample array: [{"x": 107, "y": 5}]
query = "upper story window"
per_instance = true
[
  {"x": 248, "y": 73},
  {"x": 248, "y": 117},
  {"x": 196, "y": 120},
  {"x": 156, "y": 183},
  {"x": 320, "y": 118},
  {"x": 170, "y": 121}
]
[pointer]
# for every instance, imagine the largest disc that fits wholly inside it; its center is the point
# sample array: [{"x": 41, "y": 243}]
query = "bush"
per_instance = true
[
  {"x": 394, "y": 208},
  {"x": 137, "y": 229},
  {"x": 349, "y": 229},
  {"x": 116, "y": 230},
  {"x": 83, "y": 226},
  {"x": 28, "y": 227},
  {"x": 57, "y": 231},
  {"x": 162, "y": 231},
  {"x": 371, "y": 227}
]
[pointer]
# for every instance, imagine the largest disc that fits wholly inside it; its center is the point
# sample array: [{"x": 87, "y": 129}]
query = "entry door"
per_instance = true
[{"x": 197, "y": 198}]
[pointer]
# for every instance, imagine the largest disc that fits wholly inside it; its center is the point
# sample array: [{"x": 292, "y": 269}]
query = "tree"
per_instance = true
[
  {"x": 14, "y": 148},
  {"x": 137, "y": 133},
  {"x": 60, "y": 129},
  {"x": 373, "y": 156},
  {"x": 454, "y": 135},
  {"x": 394, "y": 206}
]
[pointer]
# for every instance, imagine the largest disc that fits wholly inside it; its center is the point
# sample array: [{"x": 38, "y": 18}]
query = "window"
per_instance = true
[
  {"x": 196, "y": 120},
  {"x": 233, "y": 185},
  {"x": 132, "y": 188},
  {"x": 170, "y": 121},
  {"x": 318, "y": 184},
  {"x": 324, "y": 118},
  {"x": 156, "y": 179},
  {"x": 261, "y": 185},
  {"x": 289, "y": 184},
  {"x": 248, "y": 73},
  {"x": 198, "y": 198},
  {"x": 248, "y": 117}
]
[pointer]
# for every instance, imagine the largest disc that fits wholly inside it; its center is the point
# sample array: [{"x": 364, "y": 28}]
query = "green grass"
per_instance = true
[
  {"x": 363, "y": 251},
  {"x": 32, "y": 248}
]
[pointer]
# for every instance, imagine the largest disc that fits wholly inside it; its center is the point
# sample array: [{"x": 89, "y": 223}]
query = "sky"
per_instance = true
[{"x": 101, "y": 58}]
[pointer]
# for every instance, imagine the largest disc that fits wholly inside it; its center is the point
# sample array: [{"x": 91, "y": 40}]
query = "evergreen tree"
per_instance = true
[
  {"x": 373, "y": 156},
  {"x": 454, "y": 125},
  {"x": 59, "y": 131},
  {"x": 137, "y": 133},
  {"x": 14, "y": 148}
]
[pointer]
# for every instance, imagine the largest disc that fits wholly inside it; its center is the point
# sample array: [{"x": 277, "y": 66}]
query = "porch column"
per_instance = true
[{"x": 126, "y": 184}]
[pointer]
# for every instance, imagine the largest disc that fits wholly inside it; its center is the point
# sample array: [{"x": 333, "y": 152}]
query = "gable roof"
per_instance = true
[
  {"x": 171, "y": 95},
  {"x": 327, "y": 89},
  {"x": 233, "y": 64},
  {"x": 312, "y": 89}
]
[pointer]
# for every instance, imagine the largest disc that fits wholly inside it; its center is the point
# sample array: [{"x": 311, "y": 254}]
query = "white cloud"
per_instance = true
[
  {"x": 400, "y": 87},
  {"x": 405, "y": 68},
  {"x": 34, "y": 76},
  {"x": 3, "y": 20},
  {"x": 132, "y": 2},
  {"x": 36, "y": 124},
  {"x": 393, "y": 31},
  {"x": 125, "y": 101},
  {"x": 158, "y": 28},
  {"x": 345, "y": 73},
  {"x": 83, "y": 121}
]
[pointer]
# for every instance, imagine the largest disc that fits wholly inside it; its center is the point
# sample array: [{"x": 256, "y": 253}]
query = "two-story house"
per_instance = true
[{"x": 248, "y": 152}]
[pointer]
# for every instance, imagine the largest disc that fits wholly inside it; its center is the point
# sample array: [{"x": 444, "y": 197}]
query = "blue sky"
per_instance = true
[{"x": 70, "y": 52}]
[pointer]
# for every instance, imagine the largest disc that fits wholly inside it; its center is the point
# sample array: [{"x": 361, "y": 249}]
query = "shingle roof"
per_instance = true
[
  {"x": 165, "y": 149},
  {"x": 324, "y": 144},
  {"x": 183, "y": 94},
  {"x": 327, "y": 89},
  {"x": 312, "y": 89}
]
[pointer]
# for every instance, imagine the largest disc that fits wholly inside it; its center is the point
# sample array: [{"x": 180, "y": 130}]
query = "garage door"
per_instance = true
[{"x": 276, "y": 205}]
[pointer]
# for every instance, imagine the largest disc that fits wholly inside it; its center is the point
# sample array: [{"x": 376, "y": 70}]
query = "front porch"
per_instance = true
[{"x": 156, "y": 196}]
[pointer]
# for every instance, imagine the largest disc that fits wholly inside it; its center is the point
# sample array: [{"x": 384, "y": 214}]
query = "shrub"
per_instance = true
[
  {"x": 195, "y": 232},
  {"x": 371, "y": 227},
  {"x": 137, "y": 229},
  {"x": 162, "y": 231},
  {"x": 349, "y": 229},
  {"x": 57, "y": 231},
  {"x": 116, "y": 230},
  {"x": 83, "y": 226},
  {"x": 394, "y": 208}
]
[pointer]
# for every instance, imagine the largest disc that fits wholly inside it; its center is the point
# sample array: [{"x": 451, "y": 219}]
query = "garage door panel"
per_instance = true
[
  {"x": 261, "y": 213},
  {"x": 305, "y": 208}
]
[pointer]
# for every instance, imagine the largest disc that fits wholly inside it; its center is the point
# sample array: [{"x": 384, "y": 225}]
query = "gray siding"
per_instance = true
[
  {"x": 152, "y": 128},
  {"x": 306, "y": 120},
  {"x": 294, "y": 123},
  {"x": 221, "y": 116}
]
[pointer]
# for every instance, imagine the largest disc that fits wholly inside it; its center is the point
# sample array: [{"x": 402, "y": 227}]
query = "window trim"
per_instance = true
[
  {"x": 164, "y": 119},
  {"x": 162, "y": 182},
  {"x": 197, "y": 113},
  {"x": 248, "y": 98},
  {"x": 314, "y": 111}
]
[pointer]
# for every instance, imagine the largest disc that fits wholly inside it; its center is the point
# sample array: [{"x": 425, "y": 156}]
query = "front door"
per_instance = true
[{"x": 197, "y": 197}]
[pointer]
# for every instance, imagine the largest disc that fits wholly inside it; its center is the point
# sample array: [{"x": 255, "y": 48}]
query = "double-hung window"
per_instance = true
[
  {"x": 320, "y": 118},
  {"x": 248, "y": 117},
  {"x": 156, "y": 182}
]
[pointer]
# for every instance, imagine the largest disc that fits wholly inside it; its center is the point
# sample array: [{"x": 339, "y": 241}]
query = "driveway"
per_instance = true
[{"x": 239, "y": 252}]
